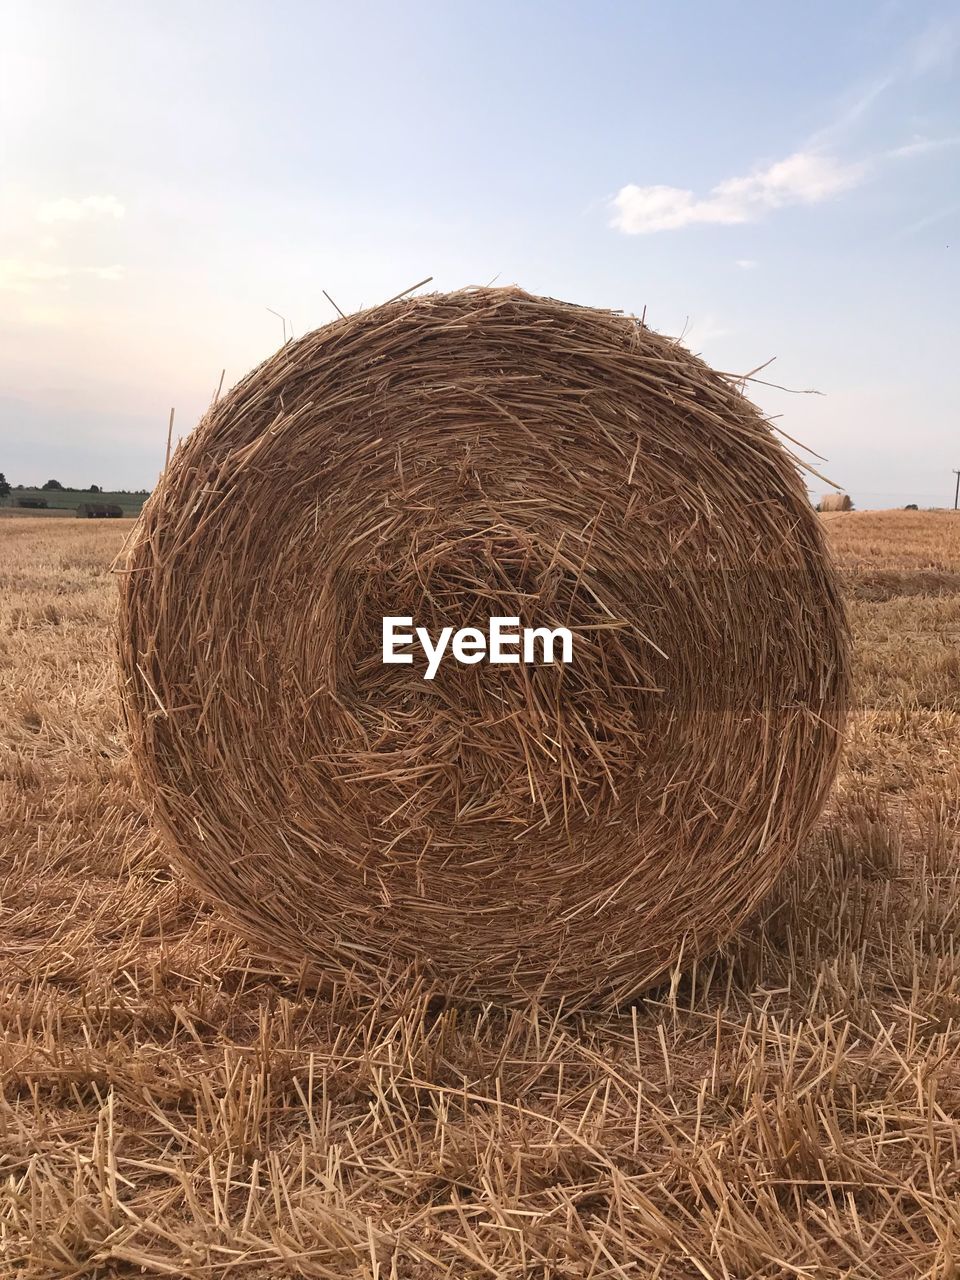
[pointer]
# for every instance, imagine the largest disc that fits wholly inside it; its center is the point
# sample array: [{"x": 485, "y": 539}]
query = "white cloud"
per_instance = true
[
  {"x": 706, "y": 329},
  {"x": 70, "y": 209},
  {"x": 932, "y": 49},
  {"x": 113, "y": 272},
  {"x": 746, "y": 264},
  {"x": 929, "y": 220},
  {"x": 920, "y": 146},
  {"x": 21, "y": 275},
  {"x": 856, "y": 109},
  {"x": 806, "y": 177}
]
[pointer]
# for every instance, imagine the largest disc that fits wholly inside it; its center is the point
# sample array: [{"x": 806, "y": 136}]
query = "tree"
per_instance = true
[
  {"x": 4, "y": 488},
  {"x": 53, "y": 484},
  {"x": 94, "y": 488}
]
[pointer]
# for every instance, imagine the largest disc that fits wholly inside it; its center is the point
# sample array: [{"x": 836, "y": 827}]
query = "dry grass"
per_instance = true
[{"x": 787, "y": 1108}]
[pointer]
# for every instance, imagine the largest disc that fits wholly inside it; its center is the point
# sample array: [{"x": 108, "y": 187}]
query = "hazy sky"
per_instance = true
[{"x": 776, "y": 179}]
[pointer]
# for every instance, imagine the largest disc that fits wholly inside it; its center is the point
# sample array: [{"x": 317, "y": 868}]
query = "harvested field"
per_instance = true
[{"x": 172, "y": 1105}]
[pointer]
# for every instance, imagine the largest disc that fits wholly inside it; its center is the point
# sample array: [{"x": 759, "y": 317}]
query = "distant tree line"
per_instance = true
[
  {"x": 94, "y": 488},
  {"x": 50, "y": 486}
]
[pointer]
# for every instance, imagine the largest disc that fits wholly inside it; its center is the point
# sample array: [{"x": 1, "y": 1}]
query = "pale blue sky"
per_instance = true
[{"x": 780, "y": 180}]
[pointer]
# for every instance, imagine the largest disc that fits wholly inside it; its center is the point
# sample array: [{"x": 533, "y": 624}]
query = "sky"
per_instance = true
[{"x": 770, "y": 181}]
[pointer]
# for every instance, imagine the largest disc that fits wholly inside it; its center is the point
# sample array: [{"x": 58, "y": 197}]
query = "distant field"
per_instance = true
[{"x": 65, "y": 501}]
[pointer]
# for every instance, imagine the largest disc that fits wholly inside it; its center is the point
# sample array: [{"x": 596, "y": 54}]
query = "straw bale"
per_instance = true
[
  {"x": 836, "y": 502},
  {"x": 505, "y": 830}
]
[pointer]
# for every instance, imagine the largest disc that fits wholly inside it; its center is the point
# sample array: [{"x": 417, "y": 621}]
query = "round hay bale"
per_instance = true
[
  {"x": 559, "y": 830},
  {"x": 835, "y": 502}
]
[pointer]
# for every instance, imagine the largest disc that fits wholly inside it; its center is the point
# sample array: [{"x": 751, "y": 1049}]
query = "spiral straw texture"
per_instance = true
[{"x": 506, "y": 831}]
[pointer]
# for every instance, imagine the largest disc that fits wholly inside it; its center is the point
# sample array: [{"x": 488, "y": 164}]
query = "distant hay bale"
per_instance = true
[
  {"x": 505, "y": 830},
  {"x": 835, "y": 502}
]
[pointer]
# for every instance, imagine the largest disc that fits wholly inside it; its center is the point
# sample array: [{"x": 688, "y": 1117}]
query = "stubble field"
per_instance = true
[{"x": 172, "y": 1105}]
